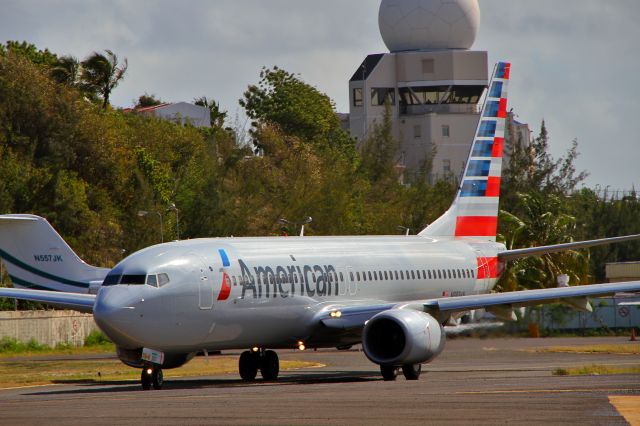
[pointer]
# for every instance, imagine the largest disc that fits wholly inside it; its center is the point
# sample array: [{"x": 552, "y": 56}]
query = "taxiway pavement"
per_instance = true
[{"x": 474, "y": 381}]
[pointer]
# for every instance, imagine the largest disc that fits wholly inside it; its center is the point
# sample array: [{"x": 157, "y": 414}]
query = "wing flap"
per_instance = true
[{"x": 75, "y": 301}]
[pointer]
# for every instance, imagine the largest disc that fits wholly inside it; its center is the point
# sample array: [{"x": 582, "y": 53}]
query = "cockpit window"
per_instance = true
[
  {"x": 163, "y": 279},
  {"x": 133, "y": 279},
  {"x": 152, "y": 280},
  {"x": 111, "y": 279}
]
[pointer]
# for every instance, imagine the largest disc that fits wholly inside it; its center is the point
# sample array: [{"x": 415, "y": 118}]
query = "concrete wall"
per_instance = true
[{"x": 47, "y": 327}]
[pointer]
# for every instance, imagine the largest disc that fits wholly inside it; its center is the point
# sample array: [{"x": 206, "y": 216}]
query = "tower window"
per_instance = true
[
  {"x": 445, "y": 131},
  {"x": 357, "y": 97},
  {"x": 417, "y": 131},
  {"x": 380, "y": 96},
  {"x": 446, "y": 166}
]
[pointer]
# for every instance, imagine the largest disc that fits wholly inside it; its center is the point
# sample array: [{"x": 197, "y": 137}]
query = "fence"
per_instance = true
[
  {"x": 47, "y": 327},
  {"x": 607, "y": 313}
]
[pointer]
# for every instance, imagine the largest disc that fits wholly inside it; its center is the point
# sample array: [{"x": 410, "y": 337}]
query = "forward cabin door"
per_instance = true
[{"x": 205, "y": 286}]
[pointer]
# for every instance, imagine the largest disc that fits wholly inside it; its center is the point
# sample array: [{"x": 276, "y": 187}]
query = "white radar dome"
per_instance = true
[{"x": 428, "y": 24}]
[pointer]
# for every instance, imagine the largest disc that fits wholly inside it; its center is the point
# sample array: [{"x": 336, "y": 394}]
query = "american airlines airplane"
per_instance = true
[{"x": 163, "y": 304}]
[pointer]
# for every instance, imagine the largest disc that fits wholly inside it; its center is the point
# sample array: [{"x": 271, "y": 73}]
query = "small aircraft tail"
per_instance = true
[
  {"x": 36, "y": 257},
  {"x": 474, "y": 212}
]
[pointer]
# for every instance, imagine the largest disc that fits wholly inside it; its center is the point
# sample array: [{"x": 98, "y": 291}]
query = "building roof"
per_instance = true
[{"x": 364, "y": 70}]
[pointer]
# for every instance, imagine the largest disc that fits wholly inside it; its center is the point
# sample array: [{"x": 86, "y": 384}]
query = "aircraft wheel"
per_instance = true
[
  {"x": 145, "y": 379},
  {"x": 157, "y": 378},
  {"x": 269, "y": 365},
  {"x": 248, "y": 366},
  {"x": 389, "y": 372},
  {"x": 412, "y": 371}
]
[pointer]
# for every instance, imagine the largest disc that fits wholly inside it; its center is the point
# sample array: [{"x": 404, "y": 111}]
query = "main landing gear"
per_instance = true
[
  {"x": 265, "y": 361},
  {"x": 410, "y": 372},
  {"x": 151, "y": 376}
]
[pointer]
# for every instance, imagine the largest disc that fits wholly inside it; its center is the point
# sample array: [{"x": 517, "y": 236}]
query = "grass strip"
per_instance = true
[
  {"x": 629, "y": 348},
  {"x": 597, "y": 370}
]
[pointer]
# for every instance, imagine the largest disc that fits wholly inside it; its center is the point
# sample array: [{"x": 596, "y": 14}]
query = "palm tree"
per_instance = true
[
  {"x": 541, "y": 220},
  {"x": 217, "y": 115},
  {"x": 101, "y": 74},
  {"x": 66, "y": 71}
]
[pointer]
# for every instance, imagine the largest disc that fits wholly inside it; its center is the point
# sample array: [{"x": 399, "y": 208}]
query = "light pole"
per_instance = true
[
  {"x": 173, "y": 207},
  {"x": 308, "y": 219},
  {"x": 143, "y": 213},
  {"x": 404, "y": 229}
]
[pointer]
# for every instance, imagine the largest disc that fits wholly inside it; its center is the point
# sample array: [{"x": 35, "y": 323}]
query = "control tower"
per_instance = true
[{"x": 431, "y": 79}]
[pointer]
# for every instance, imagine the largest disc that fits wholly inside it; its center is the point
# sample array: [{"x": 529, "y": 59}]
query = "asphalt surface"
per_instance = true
[{"x": 474, "y": 381}]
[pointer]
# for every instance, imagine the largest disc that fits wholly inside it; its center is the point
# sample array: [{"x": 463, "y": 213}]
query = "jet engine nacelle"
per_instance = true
[{"x": 402, "y": 336}]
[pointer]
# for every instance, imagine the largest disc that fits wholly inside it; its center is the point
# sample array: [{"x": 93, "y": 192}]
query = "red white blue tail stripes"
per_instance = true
[{"x": 474, "y": 213}]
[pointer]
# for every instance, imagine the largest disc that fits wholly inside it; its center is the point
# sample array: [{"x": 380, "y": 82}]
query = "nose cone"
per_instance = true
[{"x": 115, "y": 314}]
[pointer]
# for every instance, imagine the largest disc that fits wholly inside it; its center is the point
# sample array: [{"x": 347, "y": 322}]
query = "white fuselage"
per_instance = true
[{"x": 265, "y": 292}]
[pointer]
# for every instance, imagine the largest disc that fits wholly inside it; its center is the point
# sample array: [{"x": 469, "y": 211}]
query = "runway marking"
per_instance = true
[
  {"x": 628, "y": 407},
  {"x": 516, "y": 391}
]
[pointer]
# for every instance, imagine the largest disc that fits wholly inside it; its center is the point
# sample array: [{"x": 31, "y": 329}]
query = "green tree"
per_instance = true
[
  {"x": 300, "y": 110},
  {"x": 379, "y": 151},
  {"x": 101, "y": 74},
  {"x": 30, "y": 52},
  {"x": 532, "y": 167},
  {"x": 147, "y": 100}
]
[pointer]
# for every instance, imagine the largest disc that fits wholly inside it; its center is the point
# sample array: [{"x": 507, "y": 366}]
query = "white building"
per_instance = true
[
  {"x": 180, "y": 112},
  {"x": 431, "y": 79}
]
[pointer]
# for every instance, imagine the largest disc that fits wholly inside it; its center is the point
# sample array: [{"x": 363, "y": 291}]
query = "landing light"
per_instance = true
[
  {"x": 149, "y": 370},
  {"x": 335, "y": 314},
  {"x": 255, "y": 349},
  {"x": 301, "y": 346}
]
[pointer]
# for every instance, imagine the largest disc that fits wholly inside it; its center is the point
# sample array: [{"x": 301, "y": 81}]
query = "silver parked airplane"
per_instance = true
[{"x": 165, "y": 303}]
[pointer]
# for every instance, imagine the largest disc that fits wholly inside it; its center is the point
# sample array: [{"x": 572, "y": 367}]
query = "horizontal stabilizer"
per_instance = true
[
  {"x": 75, "y": 301},
  {"x": 556, "y": 248}
]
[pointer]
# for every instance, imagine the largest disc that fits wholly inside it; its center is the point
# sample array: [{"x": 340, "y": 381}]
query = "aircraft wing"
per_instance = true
[
  {"x": 537, "y": 251},
  {"x": 501, "y": 304},
  {"x": 75, "y": 301}
]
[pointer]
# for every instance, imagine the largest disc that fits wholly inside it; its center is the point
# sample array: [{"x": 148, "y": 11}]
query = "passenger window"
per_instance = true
[
  {"x": 439, "y": 274},
  {"x": 375, "y": 275},
  {"x": 152, "y": 280},
  {"x": 413, "y": 277},
  {"x": 449, "y": 273},
  {"x": 370, "y": 279},
  {"x": 402, "y": 274},
  {"x": 396, "y": 272},
  {"x": 386, "y": 276}
]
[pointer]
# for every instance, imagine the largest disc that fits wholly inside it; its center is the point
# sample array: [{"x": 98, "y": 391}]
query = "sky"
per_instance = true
[{"x": 574, "y": 62}]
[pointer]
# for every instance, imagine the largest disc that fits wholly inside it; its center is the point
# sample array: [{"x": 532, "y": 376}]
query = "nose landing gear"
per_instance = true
[
  {"x": 151, "y": 376},
  {"x": 265, "y": 361}
]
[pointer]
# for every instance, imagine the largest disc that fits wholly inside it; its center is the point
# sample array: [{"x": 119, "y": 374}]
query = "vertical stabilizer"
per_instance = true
[
  {"x": 474, "y": 212},
  {"x": 37, "y": 257}
]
